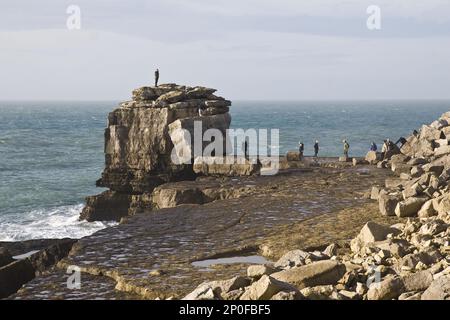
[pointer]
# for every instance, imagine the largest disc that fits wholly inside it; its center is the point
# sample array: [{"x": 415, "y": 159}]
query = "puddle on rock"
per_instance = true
[{"x": 238, "y": 259}]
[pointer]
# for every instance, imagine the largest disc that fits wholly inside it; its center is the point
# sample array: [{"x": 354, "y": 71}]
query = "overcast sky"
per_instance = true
[{"x": 248, "y": 49}]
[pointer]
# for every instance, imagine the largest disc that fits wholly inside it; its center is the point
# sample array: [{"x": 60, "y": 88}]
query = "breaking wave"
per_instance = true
[{"x": 54, "y": 223}]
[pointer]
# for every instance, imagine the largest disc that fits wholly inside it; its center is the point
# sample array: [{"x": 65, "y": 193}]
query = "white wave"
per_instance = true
[{"x": 59, "y": 222}]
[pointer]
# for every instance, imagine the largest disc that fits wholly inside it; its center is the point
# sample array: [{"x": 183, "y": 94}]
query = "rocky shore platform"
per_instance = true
[{"x": 155, "y": 254}]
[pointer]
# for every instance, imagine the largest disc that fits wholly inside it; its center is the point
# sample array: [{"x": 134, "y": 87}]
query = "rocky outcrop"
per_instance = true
[{"x": 140, "y": 139}]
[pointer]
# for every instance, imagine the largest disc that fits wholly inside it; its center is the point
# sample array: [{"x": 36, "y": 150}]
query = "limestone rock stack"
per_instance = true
[{"x": 139, "y": 140}]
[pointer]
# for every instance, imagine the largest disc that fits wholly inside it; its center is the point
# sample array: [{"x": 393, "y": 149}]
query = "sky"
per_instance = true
[{"x": 247, "y": 49}]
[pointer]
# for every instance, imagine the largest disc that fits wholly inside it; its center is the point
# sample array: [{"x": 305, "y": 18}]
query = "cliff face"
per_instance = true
[{"x": 138, "y": 144}]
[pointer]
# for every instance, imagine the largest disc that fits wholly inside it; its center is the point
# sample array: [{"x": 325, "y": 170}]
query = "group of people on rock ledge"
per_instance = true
[{"x": 388, "y": 145}]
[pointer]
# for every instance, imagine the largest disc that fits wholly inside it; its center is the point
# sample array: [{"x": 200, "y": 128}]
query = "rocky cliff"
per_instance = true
[{"x": 139, "y": 140}]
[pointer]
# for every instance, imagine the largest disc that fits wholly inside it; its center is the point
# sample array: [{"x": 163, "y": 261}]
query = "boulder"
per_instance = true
[
  {"x": 107, "y": 206},
  {"x": 370, "y": 233},
  {"x": 442, "y": 150},
  {"x": 373, "y": 157},
  {"x": 323, "y": 272},
  {"x": 265, "y": 288},
  {"x": 257, "y": 271},
  {"x": 389, "y": 288},
  {"x": 318, "y": 292},
  {"x": 438, "y": 290},
  {"x": 375, "y": 193},
  {"x": 171, "y": 195},
  {"x": 287, "y": 295},
  {"x": 216, "y": 289},
  {"x": 344, "y": 159},
  {"x": 427, "y": 210},
  {"x": 387, "y": 202},
  {"x": 400, "y": 167},
  {"x": 418, "y": 281},
  {"x": 410, "y": 206}
]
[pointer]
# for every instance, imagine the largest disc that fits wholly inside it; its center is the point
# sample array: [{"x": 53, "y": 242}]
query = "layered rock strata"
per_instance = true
[{"x": 139, "y": 141}]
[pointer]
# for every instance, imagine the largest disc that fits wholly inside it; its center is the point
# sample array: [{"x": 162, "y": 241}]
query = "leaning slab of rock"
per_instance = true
[
  {"x": 317, "y": 273},
  {"x": 265, "y": 288},
  {"x": 410, "y": 206}
]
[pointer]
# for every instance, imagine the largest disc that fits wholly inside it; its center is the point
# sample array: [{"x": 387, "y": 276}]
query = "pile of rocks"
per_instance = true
[
  {"x": 407, "y": 261},
  {"x": 139, "y": 140},
  {"x": 423, "y": 170}
]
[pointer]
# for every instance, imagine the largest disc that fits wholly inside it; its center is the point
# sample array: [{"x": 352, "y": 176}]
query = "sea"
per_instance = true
[{"x": 51, "y": 153}]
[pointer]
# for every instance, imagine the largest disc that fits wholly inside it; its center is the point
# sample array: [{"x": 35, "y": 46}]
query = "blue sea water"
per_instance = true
[{"x": 51, "y": 153}]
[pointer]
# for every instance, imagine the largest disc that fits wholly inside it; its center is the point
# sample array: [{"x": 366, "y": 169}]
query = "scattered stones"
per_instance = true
[{"x": 292, "y": 259}]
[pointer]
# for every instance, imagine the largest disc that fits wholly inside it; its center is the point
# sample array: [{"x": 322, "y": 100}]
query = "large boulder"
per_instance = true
[
  {"x": 387, "y": 203},
  {"x": 372, "y": 157},
  {"x": 410, "y": 206},
  {"x": 438, "y": 290},
  {"x": 265, "y": 288},
  {"x": 370, "y": 233},
  {"x": 317, "y": 273},
  {"x": 389, "y": 288}
]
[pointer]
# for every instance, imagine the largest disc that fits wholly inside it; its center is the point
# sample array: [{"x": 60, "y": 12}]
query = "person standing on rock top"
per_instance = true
[
  {"x": 316, "y": 148},
  {"x": 156, "y": 77}
]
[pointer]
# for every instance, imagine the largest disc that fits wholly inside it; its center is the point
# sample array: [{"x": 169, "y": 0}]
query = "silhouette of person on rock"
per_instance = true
[{"x": 156, "y": 77}]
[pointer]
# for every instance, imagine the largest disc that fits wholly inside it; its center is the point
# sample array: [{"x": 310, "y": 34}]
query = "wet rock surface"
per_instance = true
[{"x": 151, "y": 254}]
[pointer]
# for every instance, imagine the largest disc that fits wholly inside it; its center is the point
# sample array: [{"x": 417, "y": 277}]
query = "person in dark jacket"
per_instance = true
[
  {"x": 301, "y": 150},
  {"x": 373, "y": 147},
  {"x": 156, "y": 77},
  {"x": 316, "y": 148}
]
